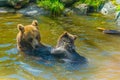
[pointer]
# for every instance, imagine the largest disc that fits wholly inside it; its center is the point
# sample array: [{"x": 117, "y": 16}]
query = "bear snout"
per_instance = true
[{"x": 35, "y": 43}]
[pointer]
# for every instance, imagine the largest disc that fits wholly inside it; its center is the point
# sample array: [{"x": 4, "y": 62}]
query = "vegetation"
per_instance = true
[
  {"x": 54, "y": 6},
  {"x": 118, "y": 8},
  {"x": 17, "y": 3},
  {"x": 117, "y": 5},
  {"x": 96, "y": 4}
]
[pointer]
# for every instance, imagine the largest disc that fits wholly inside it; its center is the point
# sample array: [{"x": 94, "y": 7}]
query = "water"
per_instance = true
[{"x": 101, "y": 50}]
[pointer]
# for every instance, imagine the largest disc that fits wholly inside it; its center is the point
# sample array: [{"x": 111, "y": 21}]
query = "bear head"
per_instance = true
[
  {"x": 66, "y": 40},
  {"x": 28, "y": 37}
]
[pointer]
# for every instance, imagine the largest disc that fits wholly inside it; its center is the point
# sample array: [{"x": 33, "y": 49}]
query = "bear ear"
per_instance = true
[
  {"x": 74, "y": 37},
  {"x": 65, "y": 33},
  {"x": 35, "y": 23},
  {"x": 20, "y": 27}
]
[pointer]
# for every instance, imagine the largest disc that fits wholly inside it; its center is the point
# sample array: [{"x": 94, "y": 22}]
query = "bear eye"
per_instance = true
[
  {"x": 64, "y": 40},
  {"x": 30, "y": 39},
  {"x": 37, "y": 37}
]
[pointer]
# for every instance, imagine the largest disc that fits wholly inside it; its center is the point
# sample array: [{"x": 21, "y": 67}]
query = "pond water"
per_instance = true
[{"x": 101, "y": 50}]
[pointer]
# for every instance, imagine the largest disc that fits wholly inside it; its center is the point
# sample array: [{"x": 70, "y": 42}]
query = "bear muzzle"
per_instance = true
[{"x": 35, "y": 44}]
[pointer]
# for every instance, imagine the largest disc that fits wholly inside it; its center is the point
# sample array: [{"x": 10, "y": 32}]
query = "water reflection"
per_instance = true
[
  {"x": 5, "y": 45},
  {"x": 101, "y": 50}
]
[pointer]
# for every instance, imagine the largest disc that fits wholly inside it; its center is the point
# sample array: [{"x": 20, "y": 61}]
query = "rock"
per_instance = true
[
  {"x": 33, "y": 10},
  {"x": 108, "y": 8},
  {"x": 6, "y": 10},
  {"x": 118, "y": 1},
  {"x": 17, "y": 3},
  {"x": 68, "y": 3},
  {"x": 80, "y": 9},
  {"x": 3, "y": 3},
  {"x": 117, "y": 18},
  {"x": 68, "y": 12}
]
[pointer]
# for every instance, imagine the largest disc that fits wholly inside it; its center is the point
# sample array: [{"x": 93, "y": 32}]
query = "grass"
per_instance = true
[{"x": 54, "y": 6}]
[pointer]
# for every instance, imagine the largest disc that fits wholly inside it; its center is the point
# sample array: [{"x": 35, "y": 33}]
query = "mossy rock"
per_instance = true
[
  {"x": 3, "y": 3},
  {"x": 80, "y": 9},
  {"x": 17, "y": 3}
]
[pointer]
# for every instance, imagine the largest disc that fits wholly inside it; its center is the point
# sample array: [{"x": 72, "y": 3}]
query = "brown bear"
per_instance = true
[
  {"x": 28, "y": 41},
  {"x": 65, "y": 49},
  {"x": 28, "y": 37}
]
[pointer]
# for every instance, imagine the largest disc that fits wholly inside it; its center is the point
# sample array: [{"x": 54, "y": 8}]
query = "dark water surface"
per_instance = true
[{"x": 101, "y": 50}]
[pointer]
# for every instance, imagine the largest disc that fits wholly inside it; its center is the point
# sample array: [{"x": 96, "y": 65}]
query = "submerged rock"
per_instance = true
[
  {"x": 108, "y": 8},
  {"x": 33, "y": 10},
  {"x": 109, "y": 31},
  {"x": 7, "y": 10}
]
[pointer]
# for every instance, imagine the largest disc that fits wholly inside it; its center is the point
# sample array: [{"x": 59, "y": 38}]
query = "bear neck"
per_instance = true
[{"x": 68, "y": 47}]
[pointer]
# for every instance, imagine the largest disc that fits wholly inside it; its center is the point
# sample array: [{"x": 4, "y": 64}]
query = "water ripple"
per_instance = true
[
  {"x": 13, "y": 77},
  {"x": 30, "y": 69},
  {"x": 12, "y": 51},
  {"x": 5, "y": 45}
]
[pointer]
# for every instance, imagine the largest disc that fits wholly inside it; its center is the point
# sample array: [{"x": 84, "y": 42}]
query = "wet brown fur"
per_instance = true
[
  {"x": 28, "y": 36},
  {"x": 66, "y": 39}
]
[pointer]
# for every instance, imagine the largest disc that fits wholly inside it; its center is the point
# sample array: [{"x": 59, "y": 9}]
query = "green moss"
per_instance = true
[
  {"x": 54, "y": 6},
  {"x": 94, "y": 3}
]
